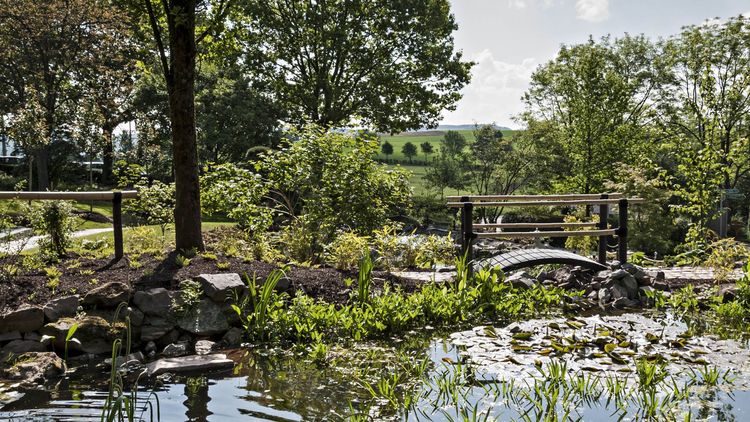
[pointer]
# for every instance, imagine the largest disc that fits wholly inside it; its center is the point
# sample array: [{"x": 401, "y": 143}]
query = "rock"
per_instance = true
[
  {"x": 521, "y": 280},
  {"x": 173, "y": 336},
  {"x": 660, "y": 285},
  {"x": 631, "y": 285},
  {"x": 120, "y": 361},
  {"x": 94, "y": 334},
  {"x": 24, "y": 319},
  {"x": 175, "y": 349},
  {"x": 194, "y": 363},
  {"x": 594, "y": 295},
  {"x": 18, "y": 347},
  {"x": 204, "y": 347},
  {"x": 645, "y": 281},
  {"x": 156, "y": 301},
  {"x": 285, "y": 284},
  {"x": 618, "y": 291},
  {"x": 221, "y": 287},
  {"x": 605, "y": 296},
  {"x": 205, "y": 319},
  {"x": 624, "y": 302},
  {"x": 233, "y": 337},
  {"x": 154, "y": 328},
  {"x": 32, "y": 336},
  {"x": 136, "y": 316},
  {"x": 35, "y": 368},
  {"x": 9, "y": 336},
  {"x": 727, "y": 293},
  {"x": 59, "y": 308},
  {"x": 108, "y": 295},
  {"x": 660, "y": 276},
  {"x": 595, "y": 285},
  {"x": 615, "y": 265},
  {"x": 150, "y": 347},
  {"x": 618, "y": 274}
]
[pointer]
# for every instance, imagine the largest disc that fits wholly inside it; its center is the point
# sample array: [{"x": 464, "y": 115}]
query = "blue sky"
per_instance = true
[{"x": 509, "y": 38}]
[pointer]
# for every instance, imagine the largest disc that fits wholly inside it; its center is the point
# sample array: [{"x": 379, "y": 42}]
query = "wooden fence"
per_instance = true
[
  {"x": 115, "y": 196},
  {"x": 602, "y": 230}
]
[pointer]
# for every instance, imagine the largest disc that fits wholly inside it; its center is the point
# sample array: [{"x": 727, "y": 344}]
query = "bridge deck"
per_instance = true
[{"x": 523, "y": 258}]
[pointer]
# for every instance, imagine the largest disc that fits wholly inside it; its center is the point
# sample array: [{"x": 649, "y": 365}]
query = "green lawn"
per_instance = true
[{"x": 417, "y": 138}]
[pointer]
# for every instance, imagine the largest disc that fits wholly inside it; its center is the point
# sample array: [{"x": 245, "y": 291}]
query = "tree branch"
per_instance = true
[{"x": 159, "y": 43}]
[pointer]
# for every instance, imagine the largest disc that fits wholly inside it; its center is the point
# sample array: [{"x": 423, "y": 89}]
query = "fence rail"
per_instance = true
[
  {"x": 603, "y": 231},
  {"x": 115, "y": 196}
]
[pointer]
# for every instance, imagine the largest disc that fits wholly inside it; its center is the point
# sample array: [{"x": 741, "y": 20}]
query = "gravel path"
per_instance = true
[{"x": 33, "y": 241}]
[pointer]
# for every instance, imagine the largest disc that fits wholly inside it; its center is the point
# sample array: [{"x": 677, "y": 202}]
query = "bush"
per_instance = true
[
  {"x": 346, "y": 251},
  {"x": 237, "y": 193},
  {"x": 154, "y": 205},
  {"x": 54, "y": 220},
  {"x": 333, "y": 181}
]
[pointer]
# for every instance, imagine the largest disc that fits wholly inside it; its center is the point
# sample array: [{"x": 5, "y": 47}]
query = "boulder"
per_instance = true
[
  {"x": 624, "y": 302},
  {"x": 24, "y": 319},
  {"x": 35, "y": 368},
  {"x": 605, "y": 296},
  {"x": 10, "y": 336},
  {"x": 108, "y": 295},
  {"x": 631, "y": 285},
  {"x": 221, "y": 287},
  {"x": 136, "y": 316},
  {"x": 17, "y": 347},
  {"x": 133, "y": 358},
  {"x": 194, "y": 363},
  {"x": 521, "y": 280},
  {"x": 176, "y": 349},
  {"x": 205, "y": 319},
  {"x": 204, "y": 347},
  {"x": 154, "y": 328},
  {"x": 94, "y": 334},
  {"x": 233, "y": 337},
  {"x": 59, "y": 308},
  {"x": 618, "y": 274},
  {"x": 618, "y": 291},
  {"x": 156, "y": 301}
]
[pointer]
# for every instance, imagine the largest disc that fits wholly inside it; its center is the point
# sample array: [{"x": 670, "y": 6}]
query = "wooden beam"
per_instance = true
[
  {"x": 552, "y": 203},
  {"x": 560, "y": 233},
  {"x": 68, "y": 196},
  {"x": 534, "y": 225},
  {"x": 485, "y": 198}
]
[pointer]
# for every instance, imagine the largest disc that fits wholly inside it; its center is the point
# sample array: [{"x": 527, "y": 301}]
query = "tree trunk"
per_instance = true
[
  {"x": 187, "y": 213},
  {"x": 42, "y": 169},
  {"x": 108, "y": 156}
]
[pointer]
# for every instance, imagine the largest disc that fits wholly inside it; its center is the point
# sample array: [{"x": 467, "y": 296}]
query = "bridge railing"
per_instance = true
[
  {"x": 602, "y": 229},
  {"x": 115, "y": 196}
]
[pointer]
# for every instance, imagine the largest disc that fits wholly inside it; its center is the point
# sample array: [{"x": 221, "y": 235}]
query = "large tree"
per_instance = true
[
  {"x": 595, "y": 99},
  {"x": 49, "y": 50},
  {"x": 178, "y": 57},
  {"x": 388, "y": 65}
]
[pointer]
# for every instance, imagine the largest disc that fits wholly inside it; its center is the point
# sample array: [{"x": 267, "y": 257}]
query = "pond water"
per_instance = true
[{"x": 383, "y": 382}]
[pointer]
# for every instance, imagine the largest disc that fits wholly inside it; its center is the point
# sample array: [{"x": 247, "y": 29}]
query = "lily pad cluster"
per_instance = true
[{"x": 610, "y": 345}]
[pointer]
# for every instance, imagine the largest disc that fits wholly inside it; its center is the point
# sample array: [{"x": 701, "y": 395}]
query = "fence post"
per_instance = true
[
  {"x": 622, "y": 232},
  {"x": 117, "y": 223},
  {"x": 603, "y": 214},
  {"x": 467, "y": 229}
]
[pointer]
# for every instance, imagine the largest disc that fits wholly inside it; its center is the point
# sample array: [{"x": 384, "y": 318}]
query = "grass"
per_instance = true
[{"x": 417, "y": 138}]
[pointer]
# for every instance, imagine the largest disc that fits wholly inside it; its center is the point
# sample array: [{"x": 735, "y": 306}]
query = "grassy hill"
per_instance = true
[{"x": 416, "y": 138}]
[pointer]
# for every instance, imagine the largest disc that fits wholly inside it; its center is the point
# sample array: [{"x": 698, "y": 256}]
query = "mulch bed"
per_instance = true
[{"x": 31, "y": 287}]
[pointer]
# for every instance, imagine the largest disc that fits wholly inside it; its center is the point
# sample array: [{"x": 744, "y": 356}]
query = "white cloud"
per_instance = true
[
  {"x": 522, "y": 4},
  {"x": 494, "y": 94},
  {"x": 592, "y": 10}
]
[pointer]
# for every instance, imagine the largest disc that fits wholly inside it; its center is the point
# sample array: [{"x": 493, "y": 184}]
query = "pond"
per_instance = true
[{"x": 427, "y": 376}]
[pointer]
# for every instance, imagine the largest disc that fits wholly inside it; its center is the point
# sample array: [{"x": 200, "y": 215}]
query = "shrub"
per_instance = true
[
  {"x": 142, "y": 240},
  {"x": 346, "y": 251},
  {"x": 237, "y": 193},
  {"x": 54, "y": 220},
  {"x": 154, "y": 205},
  {"x": 433, "y": 250},
  {"x": 333, "y": 180}
]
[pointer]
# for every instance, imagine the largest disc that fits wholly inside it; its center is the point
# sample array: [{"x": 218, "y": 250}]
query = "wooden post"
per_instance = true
[
  {"x": 117, "y": 223},
  {"x": 622, "y": 232},
  {"x": 467, "y": 229},
  {"x": 603, "y": 214}
]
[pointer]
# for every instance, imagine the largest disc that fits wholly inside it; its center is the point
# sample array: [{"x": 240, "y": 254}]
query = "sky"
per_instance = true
[{"x": 508, "y": 39}]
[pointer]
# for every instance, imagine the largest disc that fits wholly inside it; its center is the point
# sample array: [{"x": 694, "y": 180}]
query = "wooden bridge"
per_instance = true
[{"x": 530, "y": 257}]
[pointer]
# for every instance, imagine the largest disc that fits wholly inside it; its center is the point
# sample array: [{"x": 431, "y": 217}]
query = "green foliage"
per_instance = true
[
  {"x": 583, "y": 244},
  {"x": 388, "y": 66},
  {"x": 155, "y": 204},
  {"x": 426, "y": 148},
  {"x": 346, "y": 251},
  {"x": 328, "y": 181},
  {"x": 188, "y": 297},
  {"x": 237, "y": 193},
  {"x": 409, "y": 150},
  {"x": 723, "y": 255},
  {"x": 364, "y": 278},
  {"x": 54, "y": 220},
  {"x": 386, "y": 148},
  {"x": 264, "y": 303}
]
